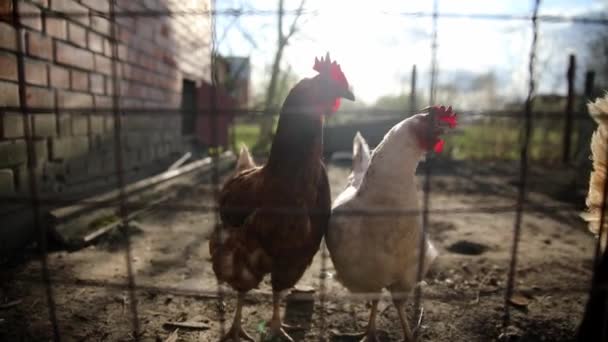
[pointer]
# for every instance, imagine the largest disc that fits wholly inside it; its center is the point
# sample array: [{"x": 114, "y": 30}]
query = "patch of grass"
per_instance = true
[
  {"x": 502, "y": 138},
  {"x": 245, "y": 133}
]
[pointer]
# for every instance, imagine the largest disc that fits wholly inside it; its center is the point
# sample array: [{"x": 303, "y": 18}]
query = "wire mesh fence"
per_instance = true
[{"x": 117, "y": 113}]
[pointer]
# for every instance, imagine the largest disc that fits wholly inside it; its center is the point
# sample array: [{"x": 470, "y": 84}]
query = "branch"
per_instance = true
[
  {"x": 294, "y": 24},
  {"x": 280, "y": 21}
]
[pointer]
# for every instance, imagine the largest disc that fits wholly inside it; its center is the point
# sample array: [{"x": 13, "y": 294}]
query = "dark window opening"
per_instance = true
[{"x": 188, "y": 108}]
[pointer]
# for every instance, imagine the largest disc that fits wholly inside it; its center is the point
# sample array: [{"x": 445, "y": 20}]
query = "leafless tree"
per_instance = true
[{"x": 266, "y": 124}]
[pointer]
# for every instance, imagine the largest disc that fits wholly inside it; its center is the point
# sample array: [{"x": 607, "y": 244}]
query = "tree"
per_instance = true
[{"x": 271, "y": 101}]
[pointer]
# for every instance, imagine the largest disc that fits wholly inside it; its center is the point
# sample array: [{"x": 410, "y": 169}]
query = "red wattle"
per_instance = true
[{"x": 439, "y": 146}]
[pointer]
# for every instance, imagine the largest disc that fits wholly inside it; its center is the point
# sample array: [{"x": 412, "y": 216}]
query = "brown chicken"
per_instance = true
[{"x": 274, "y": 216}]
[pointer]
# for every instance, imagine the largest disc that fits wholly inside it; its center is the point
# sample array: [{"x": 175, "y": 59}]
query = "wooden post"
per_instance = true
[
  {"x": 413, "y": 91},
  {"x": 589, "y": 79},
  {"x": 569, "y": 110},
  {"x": 585, "y": 123}
]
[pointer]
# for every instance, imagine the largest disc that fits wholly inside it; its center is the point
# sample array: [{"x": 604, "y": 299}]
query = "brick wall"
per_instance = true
[{"x": 69, "y": 92}]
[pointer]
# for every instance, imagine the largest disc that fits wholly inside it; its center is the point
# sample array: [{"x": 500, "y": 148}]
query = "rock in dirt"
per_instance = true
[{"x": 519, "y": 301}]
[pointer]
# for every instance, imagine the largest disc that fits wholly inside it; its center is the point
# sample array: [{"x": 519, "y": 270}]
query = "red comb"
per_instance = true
[
  {"x": 446, "y": 115},
  {"x": 327, "y": 67}
]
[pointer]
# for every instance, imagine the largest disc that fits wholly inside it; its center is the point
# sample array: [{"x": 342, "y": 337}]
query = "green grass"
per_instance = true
[
  {"x": 501, "y": 139},
  {"x": 245, "y": 133},
  {"x": 497, "y": 138}
]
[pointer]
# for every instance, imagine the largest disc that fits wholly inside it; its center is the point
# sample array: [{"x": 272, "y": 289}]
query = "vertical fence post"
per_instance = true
[
  {"x": 31, "y": 163},
  {"x": 585, "y": 128},
  {"x": 523, "y": 166},
  {"x": 119, "y": 167},
  {"x": 413, "y": 90},
  {"x": 569, "y": 110}
]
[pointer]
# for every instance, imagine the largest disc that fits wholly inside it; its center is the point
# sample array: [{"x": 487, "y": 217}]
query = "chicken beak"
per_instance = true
[{"x": 348, "y": 94}]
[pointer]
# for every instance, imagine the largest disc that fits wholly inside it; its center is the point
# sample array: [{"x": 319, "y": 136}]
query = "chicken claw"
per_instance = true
[
  {"x": 419, "y": 323},
  {"x": 236, "y": 334},
  {"x": 278, "y": 334},
  {"x": 371, "y": 335}
]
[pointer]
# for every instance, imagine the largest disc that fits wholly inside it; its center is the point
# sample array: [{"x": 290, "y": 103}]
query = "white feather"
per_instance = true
[{"x": 372, "y": 252}]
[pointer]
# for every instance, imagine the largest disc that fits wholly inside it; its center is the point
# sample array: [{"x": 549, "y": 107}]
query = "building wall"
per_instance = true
[{"x": 69, "y": 89}]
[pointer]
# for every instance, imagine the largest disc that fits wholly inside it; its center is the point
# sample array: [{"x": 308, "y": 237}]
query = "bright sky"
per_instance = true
[{"x": 377, "y": 47}]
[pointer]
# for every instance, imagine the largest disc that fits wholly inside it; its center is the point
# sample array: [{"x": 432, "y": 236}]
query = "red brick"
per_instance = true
[
  {"x": 103, "y": 102},
  {"x": 79, "y": 80},
  {"x": 95, "y": 42},
  {"x": 97, "y": 84},
  {"x": 103, "y": 64},
  {"x": 66, "y": 54},
  {"x": 8, "y": 67},
  {"x": 101, "y": 25},
  {"x": 7, "y": 37},
  {"x": 6, "y": 10},
  {"x": 77, "y": 34},
  {"x": 9, "y": 94},
  {"x": 107, "y": 48},
  {"x": 60, "y": 77},
  {"x": 109, "y": 86},
  {"x": 30, "y": 15},
  {"x": 126, "y": 22},
  {"x": 39, "y": 45},
  {"x": 122, "y": 52},
  {"x": 79, "y": 12},
  {"x": 56, "y": 27},
  {"x": 68, "y": 99},
  {"x": 98, "y": 5},
  {"x": 36, "y": 73},
  {"x": 39, "y": 97}
]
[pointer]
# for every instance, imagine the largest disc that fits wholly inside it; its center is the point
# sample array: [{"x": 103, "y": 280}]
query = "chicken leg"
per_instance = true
[
  {"x": 236, "y": 332},
  {"x": 371, "y": 333},
  {"x": 277, "y": 328},
  {"x": 407, "y": 332}
]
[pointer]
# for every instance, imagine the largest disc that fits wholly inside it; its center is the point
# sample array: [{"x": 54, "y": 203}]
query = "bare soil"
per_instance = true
[{"x": 471, "y": 223}]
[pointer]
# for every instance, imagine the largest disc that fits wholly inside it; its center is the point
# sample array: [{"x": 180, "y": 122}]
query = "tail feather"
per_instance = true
[
  {"x": 361, "y": 160},
  {"x": 599, "y": 150},
  {"x": 245, "y": 160},
  {"x": 361, "y": 154}
]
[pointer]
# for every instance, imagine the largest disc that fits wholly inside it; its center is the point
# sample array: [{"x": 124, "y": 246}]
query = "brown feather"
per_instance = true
[
  {"x": 274, "y": 216},
  {"x": 599, "y": 146}
]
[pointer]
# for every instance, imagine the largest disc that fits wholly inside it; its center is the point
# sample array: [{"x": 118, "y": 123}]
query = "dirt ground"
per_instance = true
[{"x": 463, "y": 296}]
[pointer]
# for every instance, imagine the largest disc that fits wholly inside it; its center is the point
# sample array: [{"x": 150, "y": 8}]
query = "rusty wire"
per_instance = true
[
  {"x": 120, "y": 182},
  {"x": 240, "y": 12},
  {"x": 215, "y": 173},
  {"x": 523, "y": 167},
  {"x": 426, "y": 192},
  {"x": 40, "y": 228},
  {"x": 124, "y": 207}
]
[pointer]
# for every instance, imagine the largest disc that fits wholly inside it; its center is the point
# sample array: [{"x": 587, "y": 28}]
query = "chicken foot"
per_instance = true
[
  {"x": 236, "y": 332},
  {"x": 408, "y": 336},
  {"x": 277, "y": 328},
  {"x": 371, "y": 333}
]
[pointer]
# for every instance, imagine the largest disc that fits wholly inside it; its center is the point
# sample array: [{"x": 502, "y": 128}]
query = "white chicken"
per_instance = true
[{"x": 371, "y": 251}]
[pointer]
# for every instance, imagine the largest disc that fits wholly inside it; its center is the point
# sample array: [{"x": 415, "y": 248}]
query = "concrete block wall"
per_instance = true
[{"x": 69, "y": 88}]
